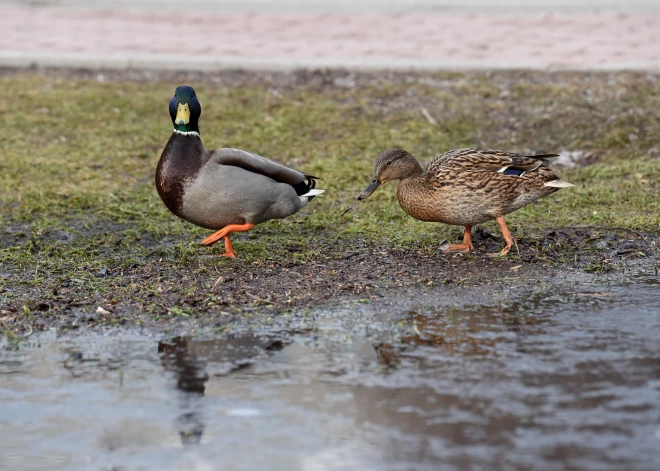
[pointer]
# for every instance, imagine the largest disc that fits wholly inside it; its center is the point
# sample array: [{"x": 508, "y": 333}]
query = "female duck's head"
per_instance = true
[
  {"x": 393, "y": 164},
  {"x": 185, "y": 110}
]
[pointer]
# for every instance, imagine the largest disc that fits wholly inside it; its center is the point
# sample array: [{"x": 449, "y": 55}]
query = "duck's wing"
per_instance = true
[
  {"x": 480, "y": 160},
  {"x": 301, "y": 182}
]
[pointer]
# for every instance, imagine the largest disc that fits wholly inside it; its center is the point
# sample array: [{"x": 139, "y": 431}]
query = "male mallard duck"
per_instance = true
[
  {"x": 228, "y": 190},
  {"x": 465, "y": 187}
]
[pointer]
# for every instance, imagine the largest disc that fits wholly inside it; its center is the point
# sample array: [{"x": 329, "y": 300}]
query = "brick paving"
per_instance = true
[{"x": 181, "y": 39}]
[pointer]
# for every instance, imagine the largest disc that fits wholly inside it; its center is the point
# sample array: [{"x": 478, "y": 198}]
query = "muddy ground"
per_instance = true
[{"x": 235, "y": 292}]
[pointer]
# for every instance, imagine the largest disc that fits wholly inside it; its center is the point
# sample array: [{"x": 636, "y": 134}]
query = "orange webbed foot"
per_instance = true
[
  {"x": 449, "y": 248},
  {"x": 213, "y": 238},
  {"x": 224, "y": 233},
  {"x": 465, "y": 247},
  {"x": 507, "y": 237},
  {"x": 501, "y": 253},
  {"x": 229, "y": 250}
]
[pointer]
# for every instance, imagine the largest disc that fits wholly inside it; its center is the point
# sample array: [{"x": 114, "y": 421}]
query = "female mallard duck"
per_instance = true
[
  {"x": 228, "y": 190},
  {"x": 465, "y": 187}
]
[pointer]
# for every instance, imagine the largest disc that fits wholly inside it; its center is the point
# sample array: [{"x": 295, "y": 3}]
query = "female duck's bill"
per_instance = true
[{"x": 373, "y": 186}]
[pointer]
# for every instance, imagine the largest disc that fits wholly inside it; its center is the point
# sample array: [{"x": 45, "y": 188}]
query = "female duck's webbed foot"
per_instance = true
[
  {"x": 507, "y": 237},
  {"x": 466, "y": 246},
  {"x": 225, "y": 232}
]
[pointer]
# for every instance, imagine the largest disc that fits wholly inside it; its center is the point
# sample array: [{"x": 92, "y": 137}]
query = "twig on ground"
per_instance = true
[
  {"x": 219, "y": 280},
  {"x": 262, "y": 299},
  {"x": 428, "y": 116}
]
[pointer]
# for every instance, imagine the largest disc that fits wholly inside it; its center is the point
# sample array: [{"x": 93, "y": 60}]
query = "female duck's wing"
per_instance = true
[
  {"x": 480, "y": 160},
  {"x": 301, "y": 182}
]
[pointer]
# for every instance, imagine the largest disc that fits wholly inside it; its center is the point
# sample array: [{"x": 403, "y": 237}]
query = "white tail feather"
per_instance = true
[
  {"x": 558, "y": 184},
  {"x": 313, "y": 192}
]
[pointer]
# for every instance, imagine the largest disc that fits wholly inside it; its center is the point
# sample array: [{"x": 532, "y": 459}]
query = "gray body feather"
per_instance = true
[
  {"x": 223, "y": 194},
  {"x": 226, "y": 186}
]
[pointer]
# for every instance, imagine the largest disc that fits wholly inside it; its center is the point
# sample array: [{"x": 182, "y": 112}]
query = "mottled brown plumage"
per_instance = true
[{"x": 466, "y": 186}]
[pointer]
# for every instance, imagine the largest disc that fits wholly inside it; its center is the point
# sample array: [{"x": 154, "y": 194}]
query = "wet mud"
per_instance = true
[{"x": 164, "y": 295}]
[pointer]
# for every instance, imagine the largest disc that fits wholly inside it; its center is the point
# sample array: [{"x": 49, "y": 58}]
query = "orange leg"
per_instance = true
[
  {"x": 507, "y": 237},
  {"x": 225, "y": 232},
  {"x": 229, "y": 250},
  {"x": 466, "y": 246}
]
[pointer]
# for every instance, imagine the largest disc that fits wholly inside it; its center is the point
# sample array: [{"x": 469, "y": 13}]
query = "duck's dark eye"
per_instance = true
[{"x": 389, "y": 162}]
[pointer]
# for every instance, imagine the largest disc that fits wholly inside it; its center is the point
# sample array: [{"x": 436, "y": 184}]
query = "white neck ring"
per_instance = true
[{"x": 186, "y": 133}]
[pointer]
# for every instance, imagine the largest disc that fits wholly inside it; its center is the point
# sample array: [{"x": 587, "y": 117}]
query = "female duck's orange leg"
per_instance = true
[
  {"x": 225, "y": 232},
  {"x": 466, "y": 246},
  {"x": 507, "y": 237}
]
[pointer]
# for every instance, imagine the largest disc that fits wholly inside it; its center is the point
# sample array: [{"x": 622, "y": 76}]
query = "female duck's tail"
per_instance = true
[{"x": 558, "y": 183}]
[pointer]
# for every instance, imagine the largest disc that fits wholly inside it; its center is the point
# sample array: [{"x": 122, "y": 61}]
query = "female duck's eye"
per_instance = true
[{"x": 389, "y": 162}]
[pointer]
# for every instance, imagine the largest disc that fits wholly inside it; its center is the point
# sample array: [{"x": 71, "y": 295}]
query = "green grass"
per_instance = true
[{"x": 78, "y": 158}]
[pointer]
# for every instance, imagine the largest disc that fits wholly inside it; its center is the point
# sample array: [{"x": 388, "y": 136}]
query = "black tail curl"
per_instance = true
[{"x": 305, "y": 186}]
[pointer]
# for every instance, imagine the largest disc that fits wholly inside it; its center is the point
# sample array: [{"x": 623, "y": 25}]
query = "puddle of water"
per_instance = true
[{"x": 549, "y": 381}]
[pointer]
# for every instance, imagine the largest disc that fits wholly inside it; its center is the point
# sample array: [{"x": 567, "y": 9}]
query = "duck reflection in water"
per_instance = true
[
  {"x": 190, "y": 360},
  {"x": 469, "y": 331},
  {"x": 191, "y": 378}
]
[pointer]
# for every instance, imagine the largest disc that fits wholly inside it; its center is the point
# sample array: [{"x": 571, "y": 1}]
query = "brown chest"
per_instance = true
[
  {"x": 179, "y": 163},
  {"x": 423, "y": 205}
]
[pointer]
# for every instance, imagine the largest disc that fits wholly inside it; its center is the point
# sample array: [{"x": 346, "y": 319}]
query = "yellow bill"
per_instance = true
[{"x": 182, "y": 114}]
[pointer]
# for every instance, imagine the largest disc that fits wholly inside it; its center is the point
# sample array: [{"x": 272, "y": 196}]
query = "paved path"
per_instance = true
[
  {"x": 215, "y": 39},
  {"x": 355, "y": 6}
]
